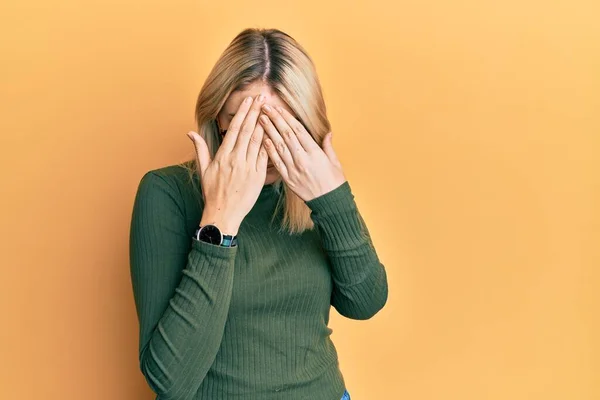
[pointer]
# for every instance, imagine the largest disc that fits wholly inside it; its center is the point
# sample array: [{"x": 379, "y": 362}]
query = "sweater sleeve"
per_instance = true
[
  {"x": 360, "y": 282},
  {"x": 182, "y": 290}
]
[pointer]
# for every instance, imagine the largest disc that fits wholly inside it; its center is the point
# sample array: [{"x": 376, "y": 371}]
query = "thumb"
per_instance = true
[
  {"x": 202, "y": 154},
  {"x": 328, "y": 148}
]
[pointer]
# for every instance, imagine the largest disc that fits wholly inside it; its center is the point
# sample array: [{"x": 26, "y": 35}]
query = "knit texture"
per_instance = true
[{"x": 248, "y": 322}]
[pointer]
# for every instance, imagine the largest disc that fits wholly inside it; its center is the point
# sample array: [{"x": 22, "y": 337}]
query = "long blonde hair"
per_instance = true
[{"x": 272, "y": 57}]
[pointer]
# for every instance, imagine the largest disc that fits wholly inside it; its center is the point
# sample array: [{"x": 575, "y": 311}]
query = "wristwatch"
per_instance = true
[{"x": 212, "y": 234}]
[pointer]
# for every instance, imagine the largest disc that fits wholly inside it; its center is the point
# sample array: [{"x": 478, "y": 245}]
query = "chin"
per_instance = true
[{"x": 272, "y": 176}]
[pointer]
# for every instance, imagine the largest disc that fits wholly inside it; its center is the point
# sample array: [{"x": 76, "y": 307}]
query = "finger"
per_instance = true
[
  {"x": 234, "y": 127},
  {"x": 278, "y": 162},
  {"x": 256, "y": 141},
  {"x": 277, "y": 142},
  {"x": 302, "y": 135},
  {"x": 262, "y": 159},
  {"x": 287, "y": 133},
  {"x": 247, "y": 129},
  {"x": 202, "y": 153},
  {"x": 328, "y": 149}
]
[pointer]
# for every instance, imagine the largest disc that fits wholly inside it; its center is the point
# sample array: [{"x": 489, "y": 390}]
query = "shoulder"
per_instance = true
[
  {"x": 175, "y": 183},
  {"x": 177, "y": 178}
]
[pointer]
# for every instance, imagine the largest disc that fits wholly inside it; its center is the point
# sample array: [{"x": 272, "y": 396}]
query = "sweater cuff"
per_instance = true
[
  {"x": 338, "y": 220},
  {"x": 336, "y": 200},
  {"x": 215, "y": 251}
]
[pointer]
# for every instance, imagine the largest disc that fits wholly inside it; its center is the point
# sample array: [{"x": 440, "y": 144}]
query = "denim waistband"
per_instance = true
[{"x": 346, "y": 395}]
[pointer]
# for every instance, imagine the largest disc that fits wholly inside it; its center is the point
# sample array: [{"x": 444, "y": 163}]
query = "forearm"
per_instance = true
[
  {"x": 185, "y": 341},
  {"x": 360, "y": 289}
]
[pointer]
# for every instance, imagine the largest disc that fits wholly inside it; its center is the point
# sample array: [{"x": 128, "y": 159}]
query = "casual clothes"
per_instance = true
[{"x": 246, "y": 322}]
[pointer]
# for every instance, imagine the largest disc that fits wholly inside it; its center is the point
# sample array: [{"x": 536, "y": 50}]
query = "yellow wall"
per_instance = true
[{"x": 468, "y": 130}]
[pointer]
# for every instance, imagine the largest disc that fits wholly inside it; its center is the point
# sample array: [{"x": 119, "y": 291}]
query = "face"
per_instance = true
[{"x": 233, "y": 103}]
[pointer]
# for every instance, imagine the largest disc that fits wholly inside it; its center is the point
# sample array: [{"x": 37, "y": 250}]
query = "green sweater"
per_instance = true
[{"x": 247, "y": 322}]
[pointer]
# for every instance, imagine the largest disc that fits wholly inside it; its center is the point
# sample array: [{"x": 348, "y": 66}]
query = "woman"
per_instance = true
[{"x": 238, "y": 255}]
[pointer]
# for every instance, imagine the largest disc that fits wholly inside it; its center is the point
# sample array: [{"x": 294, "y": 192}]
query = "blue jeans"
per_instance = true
[{"x": 345, "y": 396}]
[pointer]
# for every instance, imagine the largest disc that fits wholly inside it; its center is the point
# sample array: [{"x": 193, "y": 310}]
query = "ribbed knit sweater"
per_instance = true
[{"x": 247, "y": 322}]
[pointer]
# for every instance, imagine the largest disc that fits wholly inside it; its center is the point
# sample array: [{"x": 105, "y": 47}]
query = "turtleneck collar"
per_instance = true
[{"x": 267, "y": 199}]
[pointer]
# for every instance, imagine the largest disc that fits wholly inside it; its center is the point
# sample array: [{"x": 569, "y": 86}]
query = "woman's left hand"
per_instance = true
[{"x": 306, "y": 168}]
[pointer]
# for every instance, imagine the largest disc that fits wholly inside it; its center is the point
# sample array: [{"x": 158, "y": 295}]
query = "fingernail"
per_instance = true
[
  {"x": 248, "y": 100},
  {"x": 267, "y": 107}
]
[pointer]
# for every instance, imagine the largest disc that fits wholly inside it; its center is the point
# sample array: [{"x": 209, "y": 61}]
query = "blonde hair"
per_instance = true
[{"x": 271, "y": 57}]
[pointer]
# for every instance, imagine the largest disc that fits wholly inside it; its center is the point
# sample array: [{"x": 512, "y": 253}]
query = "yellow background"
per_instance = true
[{"x": 469, "y": 133}]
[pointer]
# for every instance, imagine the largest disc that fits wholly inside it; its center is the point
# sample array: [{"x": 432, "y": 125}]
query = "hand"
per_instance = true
[
  {"x": 232, "y": 181},
  {"x": 306, "y": 168}
]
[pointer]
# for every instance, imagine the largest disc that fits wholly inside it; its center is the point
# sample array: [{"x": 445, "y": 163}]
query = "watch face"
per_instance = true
[{"x": 210, "y": 234}]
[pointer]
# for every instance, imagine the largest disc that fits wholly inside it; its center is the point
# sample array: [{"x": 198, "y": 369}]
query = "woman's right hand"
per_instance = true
[{"x": 232, "y": 181}]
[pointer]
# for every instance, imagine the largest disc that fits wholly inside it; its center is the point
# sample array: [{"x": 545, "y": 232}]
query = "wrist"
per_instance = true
[
  {"x": 213, "y": 235},
  {"x": 226, "y": 226}
]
